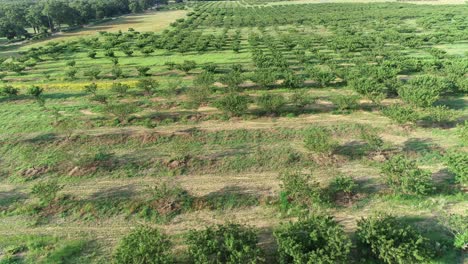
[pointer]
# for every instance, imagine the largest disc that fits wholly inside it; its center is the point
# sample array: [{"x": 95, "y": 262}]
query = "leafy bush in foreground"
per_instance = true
[
  {"x": 457, "y": 164},
  {"x": 144, "y": 245},
  {"x": 404, "y": 177},
  {"x": 392, "y": 241},
  {"x": 318, "y": 239},
  {"x": 230, "y": 243},
  {"x": 458, "y": 226}
]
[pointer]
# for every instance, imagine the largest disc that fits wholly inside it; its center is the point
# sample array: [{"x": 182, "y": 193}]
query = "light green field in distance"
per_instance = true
[{"x": 150, "y": 21}]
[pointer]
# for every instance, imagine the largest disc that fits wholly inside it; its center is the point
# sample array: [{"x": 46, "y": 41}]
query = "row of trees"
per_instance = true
[
  {"x": 50, "y": 15},
  {"x": 315, "y": 239}
]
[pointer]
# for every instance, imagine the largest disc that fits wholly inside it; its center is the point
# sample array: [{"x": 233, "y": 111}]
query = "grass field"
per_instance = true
[{"x": 106, "y": 149}]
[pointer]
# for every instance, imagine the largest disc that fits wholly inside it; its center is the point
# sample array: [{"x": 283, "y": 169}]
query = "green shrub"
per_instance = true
[
  {"x": 232, "y": 79},
  {"x": 198, "y": 95},
  {"x": 143, "y": 70},
  {"x": 233, "y": 104},
  {"x": 440, "y": 114},
  {"x": 344, "y": 184},
  {"x": 319, "y": 140},
  {"x": 457, "y": 164},
  {"x": 90, "y": 88},
  {"x": 369, "y": 88},
  {"x": 271, "y": 103},
  {"x": 204, "y": 79},
  {"x": 462, "y": 131},
  {"x": 458, "y": 226},
  {"x": 144, "y": 245},
  {"x": 230, "y": 243},
  {"x": 116, "y": 72},
  {"x": 9, "y": 90},
  {"x": 187, "y": 66},
  {"x": 400, "y": 114},
  {"x": 317, "y": 239},
  {"x": 300, "y": 190},
  {"x": 119, "y": 88},
  {"x": 392, "y": 241},
  {"x": 301, "y": 99},
  {"x": 148, "y": 86},
  {"x": 92, "y": 73},
  {"x": 374, "y": 142},
  {"x": 92, "y": 54},
  {"x": 404, "y": 177},
  {"x": 421, "y": 91},
  {"x": 46, "y": 191},
  {"x": 345, "y": 102},
  {"x": 165, "y": 202},
  {"x": 323, "y": 77},
  {"x": 35, "y": 91},
  {"x": 121, "y": 111},
  {"x": 71, "y": 73}
]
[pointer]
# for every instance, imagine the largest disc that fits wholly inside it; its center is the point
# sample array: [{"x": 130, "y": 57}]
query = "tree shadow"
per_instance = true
[
  {"x": 9, "y": 197},
  {"x": 115, "y": 192},
  {"x": 420, "y": 146},
  {"x": 231, "y": 197},
  {"x": 353, "y": 150}
]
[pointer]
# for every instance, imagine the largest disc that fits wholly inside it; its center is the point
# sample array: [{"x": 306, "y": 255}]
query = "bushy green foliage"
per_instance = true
[
  {"x": 462, "y": 131},
  {"x": 458, "y": 225},
  {"x": 323, "y": 77},
  {"x": 421, "y": 91},
  {"x": 373, "y": 140},
  {"x": 319, "y": 139},
  {"x": 299, "y": 189},
  {"x": 35, "y": 91},
  {"x": 204, "y": 79},
  {"x": 344, "y": 184},
  {"x": 264, "y": 77},
  {"x": 440, "y": 114},
  {"x": 92, "y": 73},
  {"x": 271, "y": 103},
  {"x": 187, "y": 66},
  {"x": 233, "y": 104},
  {"x": 121, "y": 111},
  {"x": 457, "y": 164},
  {"x": 400, "y": 114},
  {"x": 369, "y": 88},
  {"x": 232, "y": 79},
  {"x": 144, "y": 245},
  {"x": 345, "y": 102},
  {"x": 301, "y": 99},
  {"x": 198, "y": 95},
  {"x": 9, "y": 90},
  {"x": 90, "y": 88},
  {"x": 143, "y": 70},
  {"x": 392, "y": 241},
  {"x": 317, "y": 239},
  {"x": 404, "y": 177},
  {"x": 148, "y": 86},
  {"x": 46, "y": 191},
  {"x": 120, "y": 89},
  {"x": 229, "y": 243},
  {"x": 92, "y": 54}
]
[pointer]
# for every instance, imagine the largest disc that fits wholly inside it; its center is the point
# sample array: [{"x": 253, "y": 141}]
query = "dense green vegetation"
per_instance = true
[{"x": 246, "y": 132}]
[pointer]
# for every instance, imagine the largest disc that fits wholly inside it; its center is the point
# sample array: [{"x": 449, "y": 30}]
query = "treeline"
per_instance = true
[{"x": 47, "y": 16}]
